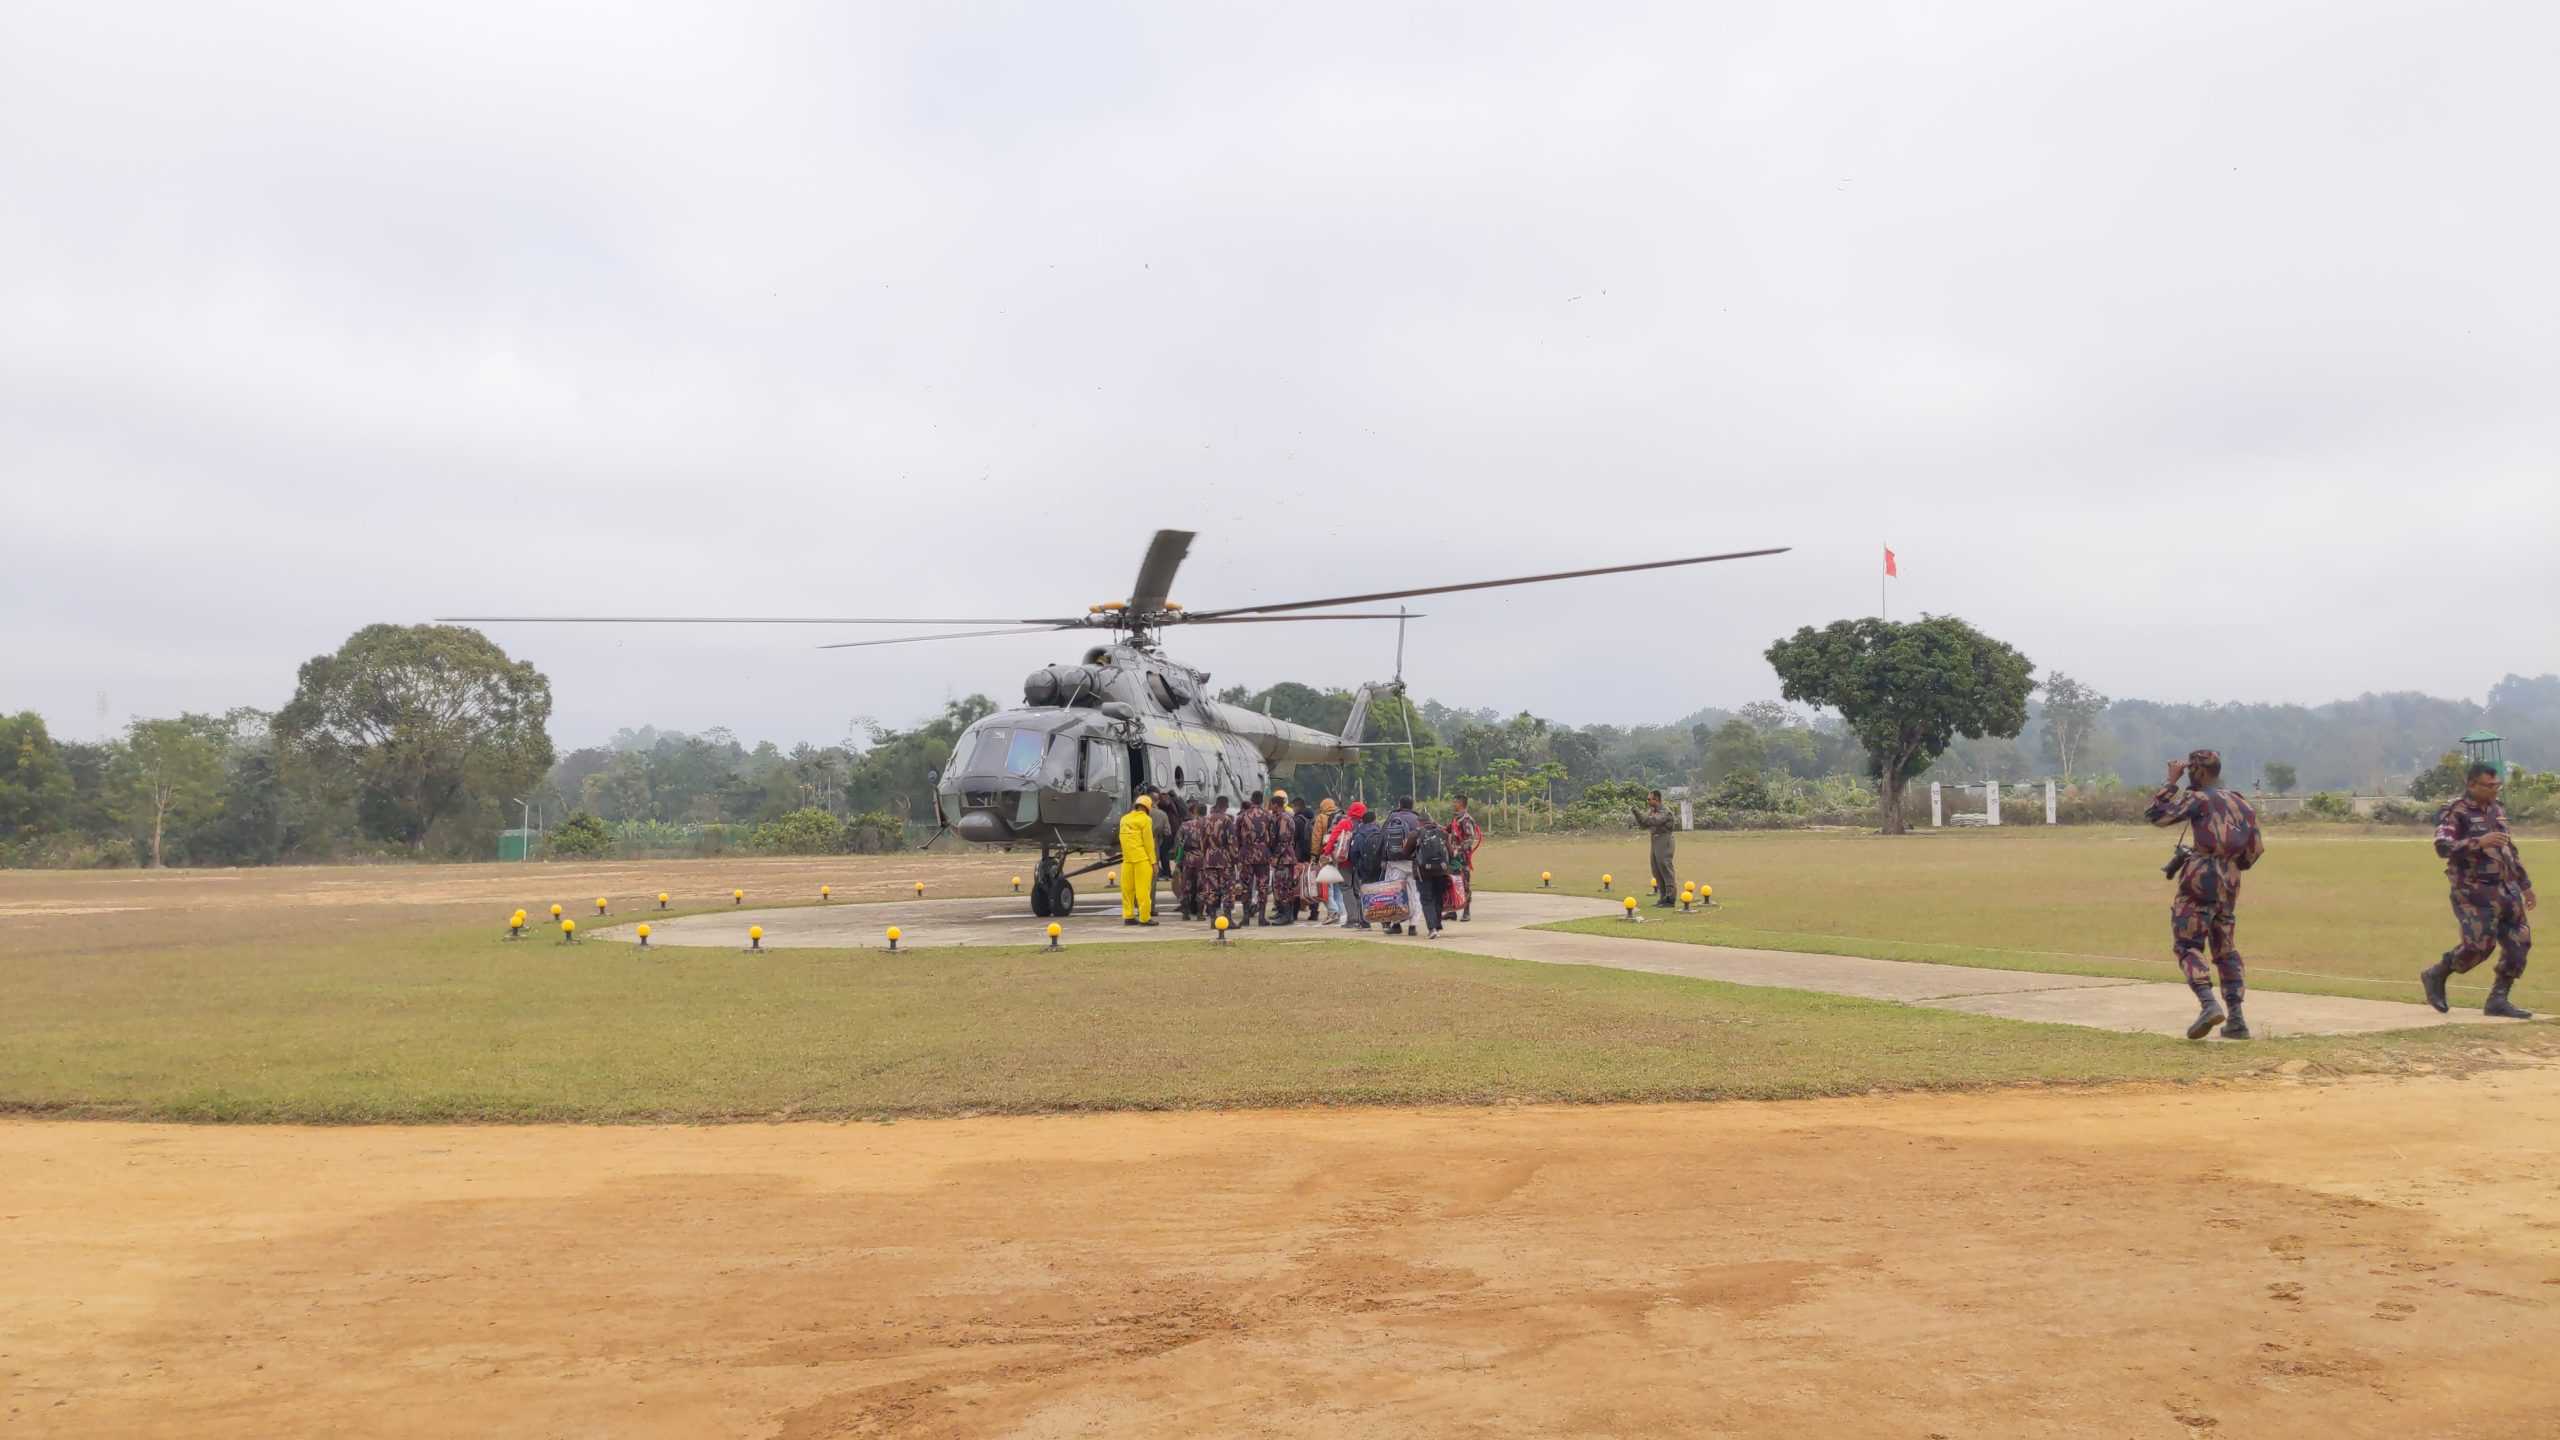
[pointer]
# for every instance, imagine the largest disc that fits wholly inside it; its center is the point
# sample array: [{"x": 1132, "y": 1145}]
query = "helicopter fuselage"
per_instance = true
[{"x": 1061, "y": 769}]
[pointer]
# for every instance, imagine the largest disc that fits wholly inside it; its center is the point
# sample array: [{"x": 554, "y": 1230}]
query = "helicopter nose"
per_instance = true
[{"x": 983, "y": 827}]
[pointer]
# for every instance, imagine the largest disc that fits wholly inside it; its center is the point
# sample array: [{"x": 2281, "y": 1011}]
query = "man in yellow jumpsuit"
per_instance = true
[{"x": 1138, "y": 864}]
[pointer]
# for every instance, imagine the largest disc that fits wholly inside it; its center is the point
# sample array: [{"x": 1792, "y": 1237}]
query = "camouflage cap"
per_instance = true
[{"x": 2204, "y": 759}]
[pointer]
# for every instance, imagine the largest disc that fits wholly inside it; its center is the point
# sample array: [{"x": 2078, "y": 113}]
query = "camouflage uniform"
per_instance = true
[
  {"x": 2204, "y": 914},
  {"x": 1186, "y": 885},
  {"x": 2489, "y": 886},
  {"x": 1253, "y": 860},
  {"x": 1285, "y": 863},
  {"x": 1217, "y": 862}
]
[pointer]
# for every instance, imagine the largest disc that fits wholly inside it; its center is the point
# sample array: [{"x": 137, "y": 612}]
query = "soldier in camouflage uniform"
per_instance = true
[
  {"x": 1284, "y": 862},
  {"x": 2204, "y": 914},
  {"x": 1217, "y": 860},
  {"x": 1253, "y": 859},
  {"x": 1186, "y": 884},
  {"x": 2492, "y": 894}
]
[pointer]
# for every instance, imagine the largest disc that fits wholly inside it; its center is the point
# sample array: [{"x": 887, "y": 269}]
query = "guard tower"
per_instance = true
[{"x": 2482, "y": 745}]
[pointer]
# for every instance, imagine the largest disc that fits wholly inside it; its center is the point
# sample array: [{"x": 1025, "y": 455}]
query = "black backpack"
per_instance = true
[
  {"x": 1431, "y": 852},
  {"x": 1366, "y": 843}
]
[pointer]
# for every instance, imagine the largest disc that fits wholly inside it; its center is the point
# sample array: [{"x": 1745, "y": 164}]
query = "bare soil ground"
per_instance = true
[{"x": 2363, "y": 1258}]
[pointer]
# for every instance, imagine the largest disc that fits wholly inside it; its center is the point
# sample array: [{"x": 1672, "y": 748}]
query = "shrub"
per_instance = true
[
  {"x": 2404, "y": 812},
  {"x": 874, "y": 832},
  {"x": 2329, "y": 805},
  {"x": 68, "y": 852},
  {"x": 802, "y": 832},
  {"x": 581, "y": 834}
]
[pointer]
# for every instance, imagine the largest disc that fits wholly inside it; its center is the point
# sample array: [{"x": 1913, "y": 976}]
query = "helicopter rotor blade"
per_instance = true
[
  {"x": 1483, "y": 584},
  {"x": 947, "y": 635},
  {"x": 1052, "y": 621},
  {"x": 1155, "y": 573},
  {"x": 1277, "y": 619}
]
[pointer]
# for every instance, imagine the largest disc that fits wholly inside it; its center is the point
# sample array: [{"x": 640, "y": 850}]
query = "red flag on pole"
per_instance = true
[{"x": 1888, "y": 561}]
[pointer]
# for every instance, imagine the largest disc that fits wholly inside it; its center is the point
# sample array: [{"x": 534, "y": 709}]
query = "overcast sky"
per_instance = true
[{"x": 2203, "y": 351}]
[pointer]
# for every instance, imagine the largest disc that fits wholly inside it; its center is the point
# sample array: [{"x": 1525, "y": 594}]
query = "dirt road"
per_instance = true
[{"x": 2373, "y": 1258}]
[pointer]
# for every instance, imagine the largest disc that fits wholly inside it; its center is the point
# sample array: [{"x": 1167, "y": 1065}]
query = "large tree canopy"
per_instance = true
[
  {"x": 35, "y": 786},
  {"x": 427, "y": 716},
  {"x": 1907, "y": 689}
]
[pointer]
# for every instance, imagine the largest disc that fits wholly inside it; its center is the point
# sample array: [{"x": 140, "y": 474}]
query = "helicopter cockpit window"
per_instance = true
[
  {"x": 1163, "y": 691},
  {"x": 986, "y": 755},
  {"x": 1023, "y": 757}
]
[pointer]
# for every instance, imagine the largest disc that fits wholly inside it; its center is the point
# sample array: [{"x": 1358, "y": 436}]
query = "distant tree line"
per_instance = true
[
  {"x": 406, "y": 741},
  {"x": 427, "y": 741}
]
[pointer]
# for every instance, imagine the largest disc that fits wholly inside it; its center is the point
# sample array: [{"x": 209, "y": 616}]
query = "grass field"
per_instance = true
[
  {"x": 2329, "y": 911},
  {"x": 384, "y": 994}
]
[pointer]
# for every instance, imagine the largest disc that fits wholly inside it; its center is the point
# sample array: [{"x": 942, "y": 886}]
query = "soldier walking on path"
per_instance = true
[
  {"x": 1664, "y": 825},
  {"x": 2204, "y": 913},
  {"x": 1186, "y": 884},
  {"x": 1253, "y": 859},
  {"x": 1217, "y": 860},
  {"x": 2491, "y": 893},
  {"x": 1284, "y": 862}
]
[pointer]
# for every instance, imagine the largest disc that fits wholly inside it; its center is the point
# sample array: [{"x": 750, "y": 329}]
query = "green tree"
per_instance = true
[
  {"x": 35, "y": 784},
  {"x": 2441, "y": 781},
  {"x": 2071, "y": 712},
  {"x": 429, "y": 717},
  {"x": 169, "y": 772},
  {"x": 1907, "y": 689},
  {"x": 2280, "y": 777}
]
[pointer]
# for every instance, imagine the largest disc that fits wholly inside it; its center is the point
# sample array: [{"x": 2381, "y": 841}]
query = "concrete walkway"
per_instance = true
[{"x": 1502, "y": 928}]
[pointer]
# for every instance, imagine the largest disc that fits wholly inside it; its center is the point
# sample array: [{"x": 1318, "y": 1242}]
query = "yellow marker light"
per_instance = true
[
  {"x": 516, "y": 919},
  {"x": 599, "y": 904},
  {"x": 1606, "y": 881},
  {"x": 826, "y": 891},
  {"x": 568, "y": 927},
  {"x": 555, "y": 912},
  {"x": 896, "y": 934},
  {"x": 1630, "y": 903},
  {"x": 1546, "y": 877},
  {"x": 1056, "y": 929},
  {"x": 1706, "y": 892},
  {"x": 919, "y": 888},
  {"x": 1111, "y": 878},
  {"x": 1017, "y": 882},
  {"x": 644, "y": 932},
  {"x": 1222, "y": 924},
  {"x": 662, "y": 899}
]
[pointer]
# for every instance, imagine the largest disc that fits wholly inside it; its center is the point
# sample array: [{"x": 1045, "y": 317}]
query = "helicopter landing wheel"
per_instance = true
[
  {"x": 1062, "y": 898},
  {"x": 1040, "y": 901}
]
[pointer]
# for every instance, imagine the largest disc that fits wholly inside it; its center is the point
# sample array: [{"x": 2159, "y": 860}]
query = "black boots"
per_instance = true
[
  {"x": 2500, "y": 1005},
  {"x": 2432, "y": 981},
  {"x": 2237, "y": 1027},
  {"x": 2207, "y": 1016}
]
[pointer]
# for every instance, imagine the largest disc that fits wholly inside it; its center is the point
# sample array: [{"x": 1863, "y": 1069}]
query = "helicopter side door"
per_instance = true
[{"x": 1101, "y": 788}]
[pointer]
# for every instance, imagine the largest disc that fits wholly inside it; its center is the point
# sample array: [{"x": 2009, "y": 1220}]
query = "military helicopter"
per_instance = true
[{"x": 1061, "y": 768}]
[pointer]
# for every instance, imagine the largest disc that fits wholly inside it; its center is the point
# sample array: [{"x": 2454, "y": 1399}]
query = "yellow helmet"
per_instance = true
[{"x": 1144, "y": 801}]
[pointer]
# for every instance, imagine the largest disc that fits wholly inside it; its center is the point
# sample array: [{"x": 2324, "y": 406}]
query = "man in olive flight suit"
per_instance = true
[{"x": 1664, "y": 825}]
